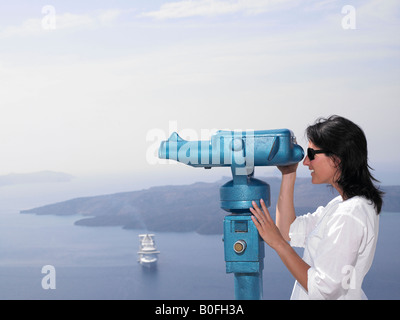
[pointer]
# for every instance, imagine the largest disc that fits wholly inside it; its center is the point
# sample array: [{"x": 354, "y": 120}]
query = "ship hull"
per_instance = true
[
  {"x": 148, "y": 265},
  {"x": 148, "y": 260}
]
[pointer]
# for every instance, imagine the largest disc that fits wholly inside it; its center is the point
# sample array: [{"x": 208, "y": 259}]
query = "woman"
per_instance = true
[{"x": 340, "y": 238}]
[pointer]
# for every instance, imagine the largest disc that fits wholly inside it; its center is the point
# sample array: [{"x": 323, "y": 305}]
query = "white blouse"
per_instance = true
[{"x": 339, "y": 241}]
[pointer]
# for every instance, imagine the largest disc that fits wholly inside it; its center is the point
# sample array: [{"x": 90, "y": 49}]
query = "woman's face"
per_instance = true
[{"x": 323, "y": 168}]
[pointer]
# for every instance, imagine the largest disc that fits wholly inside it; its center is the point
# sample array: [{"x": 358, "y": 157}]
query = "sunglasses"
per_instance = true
[{"x": 311, "y": 153}]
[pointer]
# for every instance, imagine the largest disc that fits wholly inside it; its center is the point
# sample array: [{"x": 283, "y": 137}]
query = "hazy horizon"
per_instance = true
[{"x": 181, "y": 174}]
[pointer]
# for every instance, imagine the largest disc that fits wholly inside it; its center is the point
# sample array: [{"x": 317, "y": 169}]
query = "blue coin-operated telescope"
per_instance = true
[{"x": 242, "y": 151}]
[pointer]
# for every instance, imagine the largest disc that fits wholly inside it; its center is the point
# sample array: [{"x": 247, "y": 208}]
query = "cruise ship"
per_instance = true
[{"x": 148, "y": 254}]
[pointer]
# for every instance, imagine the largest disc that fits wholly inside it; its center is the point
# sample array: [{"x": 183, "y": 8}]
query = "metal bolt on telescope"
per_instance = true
[{"x": 242, "y": 151}]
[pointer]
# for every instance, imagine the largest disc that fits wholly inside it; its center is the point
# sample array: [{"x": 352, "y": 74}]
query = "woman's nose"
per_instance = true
[{"x": 306, "y": 161}]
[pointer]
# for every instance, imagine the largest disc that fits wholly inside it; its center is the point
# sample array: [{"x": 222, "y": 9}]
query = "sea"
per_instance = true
[{"x": 100, "y": 263}]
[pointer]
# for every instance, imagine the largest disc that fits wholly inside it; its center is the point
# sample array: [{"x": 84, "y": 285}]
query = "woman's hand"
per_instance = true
[
  {"x": 272, "y": 236},
  {"x": 266, "y": 226},
  {"x": 288, "y": 169}
]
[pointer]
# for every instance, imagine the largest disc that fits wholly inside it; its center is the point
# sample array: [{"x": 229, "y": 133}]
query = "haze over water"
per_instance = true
[{"x": 101, "y": 262}]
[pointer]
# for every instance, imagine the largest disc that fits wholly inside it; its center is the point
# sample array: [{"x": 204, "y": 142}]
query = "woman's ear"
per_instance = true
[{"x": 335, "y": 161}]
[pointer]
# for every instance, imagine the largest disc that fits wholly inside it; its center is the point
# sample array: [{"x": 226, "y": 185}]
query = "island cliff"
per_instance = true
[{"x": 185, "y": 208}]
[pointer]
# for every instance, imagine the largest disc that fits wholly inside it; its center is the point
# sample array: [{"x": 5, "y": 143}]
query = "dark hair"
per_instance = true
[{"x": 347, "y": 146}]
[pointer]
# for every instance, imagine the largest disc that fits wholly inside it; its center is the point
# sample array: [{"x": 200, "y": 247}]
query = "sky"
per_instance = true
[{"x": 93, "y": 87}]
